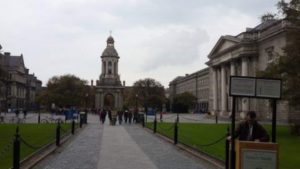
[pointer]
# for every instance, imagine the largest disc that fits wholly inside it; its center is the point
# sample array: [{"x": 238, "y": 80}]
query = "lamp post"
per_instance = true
[
  {"x": 136, "y": 97},
  {"x": 86, "y": 98}
]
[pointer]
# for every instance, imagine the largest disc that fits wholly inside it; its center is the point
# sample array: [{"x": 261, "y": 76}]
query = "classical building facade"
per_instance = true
[
  {"x": 197, "y": 84},
  {"x": 109, "y": 90},
  {"x": 18, "y": 87},
  {"x": 244, "y": 55}
]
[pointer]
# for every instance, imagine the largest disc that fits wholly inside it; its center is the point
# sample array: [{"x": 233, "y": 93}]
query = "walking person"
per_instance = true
[
  {"x": 103, "y": 116},
  {"x": 109, "y": 116},
  {"x": 120, "y": 117},
  {"x": 24, "y": 113},
  {"x": 126, "y": 116},
  {"x": 161, "y": 116},
  {"x": 129, "y": 116}
]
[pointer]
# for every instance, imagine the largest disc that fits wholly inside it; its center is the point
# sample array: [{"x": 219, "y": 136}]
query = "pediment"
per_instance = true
[{"x": 225, "y": 42}]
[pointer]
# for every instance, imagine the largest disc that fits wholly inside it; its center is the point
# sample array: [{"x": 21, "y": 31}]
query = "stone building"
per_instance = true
[
  {"x": 244, "y": 55},
  {"x": 19, "y": 88},
  {"x": 109, "y": 90},
  {"x": 197, "y": 84}
]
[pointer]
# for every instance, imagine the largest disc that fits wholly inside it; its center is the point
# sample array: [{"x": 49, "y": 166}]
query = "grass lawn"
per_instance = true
[
  {"x": 35, "y": 134},
  {"x": 196, "y": 135}
]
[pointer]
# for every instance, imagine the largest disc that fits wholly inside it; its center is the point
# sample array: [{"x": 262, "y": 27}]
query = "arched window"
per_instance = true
[{"x": 109, "y": 67}]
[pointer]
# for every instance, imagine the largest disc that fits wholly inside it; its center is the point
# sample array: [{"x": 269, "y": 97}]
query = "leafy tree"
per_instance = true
[
  {"x": 147, "y": 93},
  {"x": 66, "y": 90},
  {"x": 184, "y": 102},
  {"x": 287, "y": 66}
]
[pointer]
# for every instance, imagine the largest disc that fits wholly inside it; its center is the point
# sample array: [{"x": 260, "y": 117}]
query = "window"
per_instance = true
[
  {"x": 270, "y": 53},
  {"x": 109, "y": 68}
]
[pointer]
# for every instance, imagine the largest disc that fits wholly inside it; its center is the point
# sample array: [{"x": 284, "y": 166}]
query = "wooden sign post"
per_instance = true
[{"x": 256, "y": 155}]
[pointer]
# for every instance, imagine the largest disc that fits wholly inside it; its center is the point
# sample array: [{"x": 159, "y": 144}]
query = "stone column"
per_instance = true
[
  {"x": 223, "y": 90},
  {"x": 232, "y": 73},
  {"x": 103, "y": 67},
  {"x": 106, "y": 71},
  {"x": 215, "y": 88},
  {"x": 117, "y": 68},
  {"x": 245, "y": 101}
]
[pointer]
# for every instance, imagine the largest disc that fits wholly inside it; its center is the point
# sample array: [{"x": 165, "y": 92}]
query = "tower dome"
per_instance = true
[
  {"x": 110, "y": 50},
  {"x": 110, "y": 40}
]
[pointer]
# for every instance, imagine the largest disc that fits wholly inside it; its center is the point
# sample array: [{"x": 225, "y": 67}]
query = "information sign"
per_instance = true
[
  {"x": 268, "y": 88},
  {"x": 241, "y": 86},
  {"x": 261, "y": 159}
]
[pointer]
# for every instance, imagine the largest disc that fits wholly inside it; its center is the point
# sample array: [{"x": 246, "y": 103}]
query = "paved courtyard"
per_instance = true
[{"x": 119, "y": 147}]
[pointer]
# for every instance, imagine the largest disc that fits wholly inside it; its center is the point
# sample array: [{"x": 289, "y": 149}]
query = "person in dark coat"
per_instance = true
[
  {"x": 251, "y": 130},
  {"x": 120, "y": 117},
  {"x": 109, "y": 116},
  {"x": 126, "y": 116},
  {"x": 129, "y": 116}
]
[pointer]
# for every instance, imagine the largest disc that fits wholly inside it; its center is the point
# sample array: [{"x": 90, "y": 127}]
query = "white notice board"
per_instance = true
[
  {"x": 241, "y": 86},
  {"x": 268, "y": 88},
  {"x": 258, "y": 159}
]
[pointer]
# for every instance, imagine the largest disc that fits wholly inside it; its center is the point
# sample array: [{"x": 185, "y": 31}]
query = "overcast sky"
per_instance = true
[{"x": 160, "y": 39}]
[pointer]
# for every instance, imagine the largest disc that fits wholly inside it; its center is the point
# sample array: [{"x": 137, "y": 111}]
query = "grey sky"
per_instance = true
[{"x": 160, "y": 39}]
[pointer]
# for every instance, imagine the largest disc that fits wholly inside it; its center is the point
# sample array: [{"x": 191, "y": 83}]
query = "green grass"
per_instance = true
[
  {"x": 195, "y": 135},
  {"x": 35, "y": 134}
]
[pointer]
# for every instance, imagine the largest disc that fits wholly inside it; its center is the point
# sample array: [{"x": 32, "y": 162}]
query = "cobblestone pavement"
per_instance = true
[
  {"x": 81, "y": 153},
  {"x": 163, "y": 154},
  {"x": 119, "y": 147}
]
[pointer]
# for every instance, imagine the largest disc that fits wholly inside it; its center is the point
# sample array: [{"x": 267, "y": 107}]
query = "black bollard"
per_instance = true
[
  {"x": 143, "y": 122},
  {"x": 80, "y": 122},
  {"x": 58, "y": 134},
  {"x": 176, "y": 132},
  {"x": 155, "y": 125},
  {"x": 73, "y": 127},
  {"x": 16, "y": 153},
  {"x": 39, "y": 118},
  {"x": 227, "y": 154}
]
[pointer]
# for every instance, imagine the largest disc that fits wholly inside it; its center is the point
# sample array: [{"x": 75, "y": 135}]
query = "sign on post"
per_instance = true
[
  {"x": 242, "y": 86},
  {"x": 268, "y": 88}
]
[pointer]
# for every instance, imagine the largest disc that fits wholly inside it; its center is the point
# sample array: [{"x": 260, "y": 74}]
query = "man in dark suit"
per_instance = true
[{"x": 251, "y": 130}]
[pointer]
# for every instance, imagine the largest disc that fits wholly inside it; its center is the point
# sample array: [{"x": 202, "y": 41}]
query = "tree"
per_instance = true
[
  {"x": 287, "y": 66},
  {"x": 66, "y": 90},
  {"x": 147, "y": 93},
  {"x": 184, "y": 102}
]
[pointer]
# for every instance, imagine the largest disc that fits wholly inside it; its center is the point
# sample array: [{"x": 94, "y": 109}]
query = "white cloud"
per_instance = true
[{"x": 155, "y": 38}]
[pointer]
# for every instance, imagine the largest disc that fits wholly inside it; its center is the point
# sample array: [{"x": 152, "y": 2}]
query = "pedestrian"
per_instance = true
[
  {"x": 114, "y": 117},
  {"x": 120, "y": 117},
  {"x": 17, "y": 113},
  {"x": 251, "y": 130},
  {"x": 109, "y": 116},
  {"x": 129, "y": 116},
  {"x": 103, "y": 116},
  {"x": 24, "y": 113},
  {"x": 161, "y": 116},
  {"x": 126, "y": 116}
]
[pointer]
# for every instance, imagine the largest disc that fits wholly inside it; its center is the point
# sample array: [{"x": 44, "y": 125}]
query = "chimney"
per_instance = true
[{"x": 124, "y": 83}]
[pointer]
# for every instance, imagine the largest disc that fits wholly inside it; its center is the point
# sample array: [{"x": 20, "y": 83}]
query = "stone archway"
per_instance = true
[{"x": 109, "y": 101}]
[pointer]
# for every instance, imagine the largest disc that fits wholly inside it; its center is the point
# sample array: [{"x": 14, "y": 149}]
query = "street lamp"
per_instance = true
[
  {"x": 136, "y": 97},
  {"x": 86, "y": 98}
]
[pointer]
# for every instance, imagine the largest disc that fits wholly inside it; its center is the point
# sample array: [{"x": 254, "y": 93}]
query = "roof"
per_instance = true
[{"x": 110, "y": 50}]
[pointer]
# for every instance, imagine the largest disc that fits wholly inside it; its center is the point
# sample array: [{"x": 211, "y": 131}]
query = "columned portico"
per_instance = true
[
  {"x": 215, "y": 90},
  {"x": 223, "y": 90},
  {"x": 245, "y": 101}
]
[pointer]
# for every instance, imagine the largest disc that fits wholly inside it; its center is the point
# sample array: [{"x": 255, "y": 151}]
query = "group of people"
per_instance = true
[{"x": 114, "y": 116}]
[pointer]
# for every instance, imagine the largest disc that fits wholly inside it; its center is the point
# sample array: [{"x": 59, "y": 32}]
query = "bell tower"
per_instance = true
[{"x": 109, "y": 93}]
